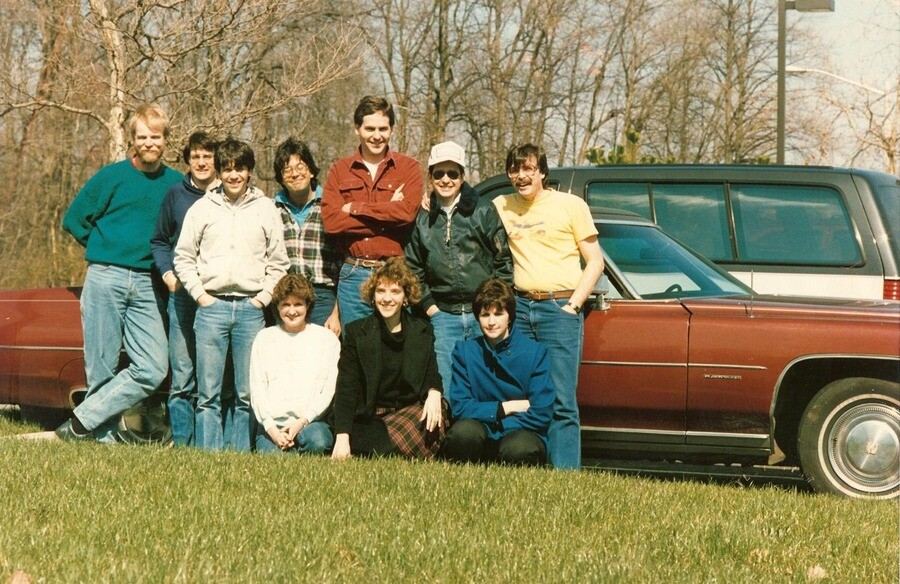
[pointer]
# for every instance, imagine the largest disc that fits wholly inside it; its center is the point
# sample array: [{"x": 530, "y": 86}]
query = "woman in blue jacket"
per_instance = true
[{"x": 500, "y": 392}]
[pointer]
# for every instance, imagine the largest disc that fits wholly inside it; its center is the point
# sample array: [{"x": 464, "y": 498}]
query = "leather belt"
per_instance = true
[
  {"x": 364, "y": 263},
  {"x": 558, "y": 295}
]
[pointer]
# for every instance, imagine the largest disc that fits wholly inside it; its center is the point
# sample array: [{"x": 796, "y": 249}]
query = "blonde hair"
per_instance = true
[{"x": 153, "y": 115}]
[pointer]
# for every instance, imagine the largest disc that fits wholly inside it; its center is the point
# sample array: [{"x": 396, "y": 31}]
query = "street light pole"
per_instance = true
[
  {"x": 779, "y": 125},
  {"x": 783, "y": 7}
]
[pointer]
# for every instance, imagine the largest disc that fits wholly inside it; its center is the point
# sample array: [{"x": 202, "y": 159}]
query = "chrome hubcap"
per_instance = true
[
  {"x": 864, "y": 447},
  {"x": 146, "y": 422}
]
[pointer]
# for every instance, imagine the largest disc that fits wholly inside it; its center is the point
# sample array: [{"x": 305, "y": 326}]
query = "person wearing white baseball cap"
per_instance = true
[{"x": 457, "y": 244}]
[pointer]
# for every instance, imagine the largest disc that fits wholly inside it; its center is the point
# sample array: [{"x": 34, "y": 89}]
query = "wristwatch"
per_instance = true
[{"x": 577, "y": 309}]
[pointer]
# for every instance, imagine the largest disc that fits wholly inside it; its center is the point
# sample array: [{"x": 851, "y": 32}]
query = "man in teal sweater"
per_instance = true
[{"x": 113, "y": 217}]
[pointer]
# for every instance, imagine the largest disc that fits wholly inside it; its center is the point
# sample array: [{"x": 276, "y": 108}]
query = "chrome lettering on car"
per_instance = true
[{"x": 713, "y": 376}]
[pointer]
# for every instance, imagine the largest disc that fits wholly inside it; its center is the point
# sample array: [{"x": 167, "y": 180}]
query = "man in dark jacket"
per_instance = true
[
  {"x": 198, "y": 154},
  {"x": 456, "y": 245}
]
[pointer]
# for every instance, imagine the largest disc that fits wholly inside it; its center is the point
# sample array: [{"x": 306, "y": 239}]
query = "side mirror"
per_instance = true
[{"x": 599, "y": 294}]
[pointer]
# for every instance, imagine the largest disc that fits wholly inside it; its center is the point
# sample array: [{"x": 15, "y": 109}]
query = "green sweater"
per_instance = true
[{"x": 115, "y": 213}]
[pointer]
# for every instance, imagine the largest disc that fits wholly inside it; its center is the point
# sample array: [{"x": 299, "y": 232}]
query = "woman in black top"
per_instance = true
[{"x": 388, "y": 398}]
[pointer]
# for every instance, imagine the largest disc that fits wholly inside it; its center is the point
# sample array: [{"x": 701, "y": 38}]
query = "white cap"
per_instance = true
[{"x": 447, "y": 152}]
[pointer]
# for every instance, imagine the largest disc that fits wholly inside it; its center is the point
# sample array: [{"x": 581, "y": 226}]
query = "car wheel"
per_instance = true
[
  {"x": 849, "y": 439},
  {"x": 146, "y": 423}
]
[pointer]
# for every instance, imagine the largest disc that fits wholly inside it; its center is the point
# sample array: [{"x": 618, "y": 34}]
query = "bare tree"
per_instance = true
[{"x": 77, "y": 68}]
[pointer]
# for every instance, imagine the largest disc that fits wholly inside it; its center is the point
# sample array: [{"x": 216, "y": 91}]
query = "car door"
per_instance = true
[{"x": 633, "y": 376}]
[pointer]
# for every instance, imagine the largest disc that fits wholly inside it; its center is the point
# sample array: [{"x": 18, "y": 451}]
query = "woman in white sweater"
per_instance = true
[{"x": 293, "y": 370}]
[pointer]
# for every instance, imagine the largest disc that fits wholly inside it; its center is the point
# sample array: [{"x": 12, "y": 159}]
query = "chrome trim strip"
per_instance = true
[
  {"x": 41, "y": 300},
  {"x": 633, "y": 430},
  {"x": 631, "y": 436},
  {"x": 724, "y": 366},
  {"x": 726, "y": 438},
  {"x": 648, "y": 364},
  {"x": 633, "y": 364},
  {"x": 30, "y": 348},
  {"x": 734, "y": 434}
]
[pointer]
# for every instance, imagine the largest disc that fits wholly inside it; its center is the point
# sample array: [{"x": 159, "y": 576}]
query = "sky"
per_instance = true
[{"x": 859, "y": 41}]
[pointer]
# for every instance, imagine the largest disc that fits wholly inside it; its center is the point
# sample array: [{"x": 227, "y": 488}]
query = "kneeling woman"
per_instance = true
[
  {"x": 293, "y": 371},
  {"x": 501, "y": 394},
  {"x": 388, "y": 398}
]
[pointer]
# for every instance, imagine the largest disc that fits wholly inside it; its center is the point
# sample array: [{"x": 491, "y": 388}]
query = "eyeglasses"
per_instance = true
[
  {"x": 292, "y": 170},
  {"x": 439, "y": 174},
  {"x": 526, "y": 169}
]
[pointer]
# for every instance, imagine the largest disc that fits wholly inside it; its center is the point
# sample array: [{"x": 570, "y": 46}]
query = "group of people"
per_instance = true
[{"x": 448, "y": 328}]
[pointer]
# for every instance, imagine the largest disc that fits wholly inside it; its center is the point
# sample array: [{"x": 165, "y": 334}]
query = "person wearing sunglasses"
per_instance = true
[{"x": 457, "y": 243}]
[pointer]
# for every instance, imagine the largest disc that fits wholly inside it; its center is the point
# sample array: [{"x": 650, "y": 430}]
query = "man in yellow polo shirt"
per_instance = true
[{"x": 549, "y": 234}]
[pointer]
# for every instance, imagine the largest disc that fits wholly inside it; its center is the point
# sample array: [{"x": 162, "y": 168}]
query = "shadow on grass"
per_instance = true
[
  {"x": 782, "y": 478},
  {"x": 14, "y": 421}
]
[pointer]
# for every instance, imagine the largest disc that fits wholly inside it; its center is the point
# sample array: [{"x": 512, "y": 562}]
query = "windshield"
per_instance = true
[{"x": 656, "y": 266}]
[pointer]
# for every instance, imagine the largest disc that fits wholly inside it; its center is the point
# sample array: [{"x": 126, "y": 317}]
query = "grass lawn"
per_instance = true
[{"x": 91, "y": 513}]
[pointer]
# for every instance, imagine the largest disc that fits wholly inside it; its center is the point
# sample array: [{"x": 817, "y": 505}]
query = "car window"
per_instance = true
[
  {"x": 634, "y": 197},
  {"x": 677, "y": 208},
  {"x": 656, "y": 266},
  {"x": 682, "y": 208},
  {"x": 796, "y": 225},
  {"x": 887, "y": 197}
]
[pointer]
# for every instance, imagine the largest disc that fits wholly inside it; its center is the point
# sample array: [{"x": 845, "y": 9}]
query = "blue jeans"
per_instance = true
[
  {"x": 351, "y": 305},
  {"x": 450, "y": 328},
  {"x": 315, "y": 438},
  {"x": 182, "y": 356},
  {"x": 322, "y": 309},
  {"x": 120, "y": 308},
  {"x": 234, "y": 323},
  {"x": 562, "y": 333}
]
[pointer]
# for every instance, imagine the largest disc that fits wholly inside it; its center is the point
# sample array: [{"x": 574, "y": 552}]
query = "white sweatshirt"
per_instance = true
[
  {"x": 292, "y": 375},
  {"x": 232, "y": 248}
]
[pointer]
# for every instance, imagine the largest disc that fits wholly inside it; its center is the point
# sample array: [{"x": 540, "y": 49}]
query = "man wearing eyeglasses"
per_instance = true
[
  {"x": 312, "y": 252},
  {"x": 370, "y": 202},
  {"x": 198, "y": 154},
  {"x": 457, "y": 244},
  {"x": 549, "y": 234}
]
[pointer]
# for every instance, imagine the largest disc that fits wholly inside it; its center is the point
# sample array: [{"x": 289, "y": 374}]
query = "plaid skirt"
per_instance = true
[{"x": 408, "y": 433}]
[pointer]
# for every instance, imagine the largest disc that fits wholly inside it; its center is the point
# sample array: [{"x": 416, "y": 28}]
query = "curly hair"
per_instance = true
[
  {"x": 294, "y": 285},
  {"x": 394, "y": 271},
  {"x": 496, "y": 294}
]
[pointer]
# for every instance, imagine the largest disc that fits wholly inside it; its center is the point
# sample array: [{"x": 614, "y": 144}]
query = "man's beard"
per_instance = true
[{"x": 149, "y": 156}]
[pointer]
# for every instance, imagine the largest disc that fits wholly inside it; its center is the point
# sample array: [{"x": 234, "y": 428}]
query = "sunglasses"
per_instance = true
[{"x": 439, "y": 174}]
